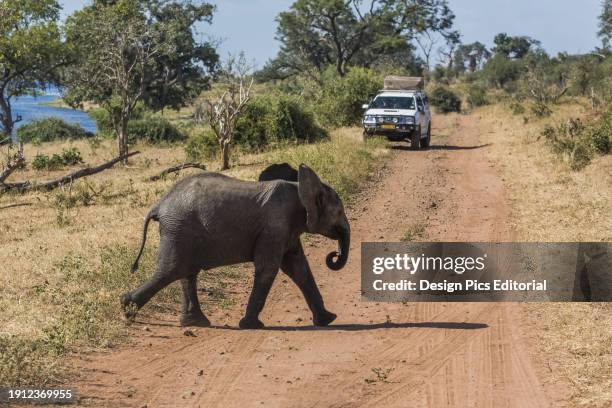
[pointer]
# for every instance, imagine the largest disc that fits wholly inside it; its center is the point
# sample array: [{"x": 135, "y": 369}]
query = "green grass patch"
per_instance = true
[{"x": 342, "y": 162}]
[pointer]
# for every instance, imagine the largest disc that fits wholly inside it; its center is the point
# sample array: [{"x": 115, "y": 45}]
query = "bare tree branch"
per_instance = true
[
  {"x": 27, "y": 185},
  {"x": 177, "y": 168}
]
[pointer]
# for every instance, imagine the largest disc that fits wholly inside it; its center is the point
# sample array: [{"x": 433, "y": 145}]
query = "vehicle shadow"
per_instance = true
[
  {"x": 371, "y": 326},
  {"x": 438, "y": 147}
]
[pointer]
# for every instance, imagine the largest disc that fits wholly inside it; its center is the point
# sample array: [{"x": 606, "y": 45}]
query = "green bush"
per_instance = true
[
  {"x": 154, "y": 129},
  {"x": 500, "y": 71},
  {"x": 49, "y": 129},
  {"x": 579, "y": 142},
  {"x": 477, "y": 96},
  {"x": 143, "y": 126},
  {"x": 517, "y": 108},
  {"x": 275, "y": 118},
  {"x": 202, "y": 145},
  {"x": 445, "y": 100},
  {"x": 340, "y": 100},
  {"x": 68, "y": 157}
]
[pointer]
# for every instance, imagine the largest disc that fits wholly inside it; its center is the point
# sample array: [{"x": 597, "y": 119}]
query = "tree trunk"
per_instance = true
[
  {"x": 7, "y": 121},
  {"x": 122, "y": 139},
  {"x": 225, "y": 154}
]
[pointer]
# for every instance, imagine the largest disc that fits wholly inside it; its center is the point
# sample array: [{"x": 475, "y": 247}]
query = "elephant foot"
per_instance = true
[
  {"x": 130, "y": 308},
  {"x": 195, "y": 319},
  {"x": 249, "y": 323},
  {"x": 324, "y": 318}
]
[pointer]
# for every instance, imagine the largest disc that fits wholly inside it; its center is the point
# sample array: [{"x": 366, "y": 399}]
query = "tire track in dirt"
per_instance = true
[{"x": 437, "y": 354}]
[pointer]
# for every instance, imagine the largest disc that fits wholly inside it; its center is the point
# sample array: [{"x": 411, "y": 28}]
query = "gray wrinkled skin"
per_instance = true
[{"x": 211, "y": 220}]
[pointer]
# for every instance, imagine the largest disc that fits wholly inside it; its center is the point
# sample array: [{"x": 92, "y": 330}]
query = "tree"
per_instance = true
[
  {"x": 128, "y": 51},
  {"x": 31, "y": 51},
  {"x": 224, "y": 111},
  {"x": 605, "y": 24},
  {"x": 475, "y": 54},
  {"x": 513, "y": 47},
  {"x": 318, "y": 33}
]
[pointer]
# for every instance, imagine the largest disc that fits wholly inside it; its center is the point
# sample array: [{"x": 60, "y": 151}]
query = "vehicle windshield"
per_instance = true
[{"x": 393, "y": 102}]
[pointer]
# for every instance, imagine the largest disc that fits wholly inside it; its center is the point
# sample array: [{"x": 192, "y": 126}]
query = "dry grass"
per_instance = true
[
  {"x": 64, "y": 259},
  {"x": 553, "y": 203}
]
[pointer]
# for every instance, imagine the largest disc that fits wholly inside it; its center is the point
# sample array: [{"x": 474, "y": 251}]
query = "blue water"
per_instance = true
[{"x": 30, "y": 108}]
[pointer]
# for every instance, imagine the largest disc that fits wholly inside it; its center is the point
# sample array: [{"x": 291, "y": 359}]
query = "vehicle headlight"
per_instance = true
[
  {"x": 407, "y": 120},
  {"x": 369, "y": 119}
]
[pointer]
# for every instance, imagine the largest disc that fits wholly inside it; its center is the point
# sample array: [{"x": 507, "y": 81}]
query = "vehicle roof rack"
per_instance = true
[{"x": 403, "y": 83}]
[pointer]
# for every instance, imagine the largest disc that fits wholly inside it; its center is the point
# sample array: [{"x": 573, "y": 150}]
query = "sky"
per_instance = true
[{"x": 561, "y": 25}]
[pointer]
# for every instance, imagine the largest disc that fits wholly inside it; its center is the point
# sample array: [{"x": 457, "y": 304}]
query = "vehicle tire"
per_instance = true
[
  {"x": 425, "y": 142},
  {"x": 364, "y": 136},
  {"x": 415, "y": 139}
]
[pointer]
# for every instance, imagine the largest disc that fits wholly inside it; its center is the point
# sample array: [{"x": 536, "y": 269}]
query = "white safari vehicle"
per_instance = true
[{"x": 400, "y": 112}]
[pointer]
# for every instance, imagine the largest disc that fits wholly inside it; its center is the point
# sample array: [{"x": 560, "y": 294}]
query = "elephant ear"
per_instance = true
[
  {"x": 282, "y": 171},
  {"x": 310, "y": 190}
]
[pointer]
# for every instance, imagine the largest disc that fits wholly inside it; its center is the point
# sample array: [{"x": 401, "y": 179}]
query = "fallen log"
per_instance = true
[
  {"x": 176, "y": 168},
  {"x": 11, "y": 167},
  {"x": 28, "y": 185}
]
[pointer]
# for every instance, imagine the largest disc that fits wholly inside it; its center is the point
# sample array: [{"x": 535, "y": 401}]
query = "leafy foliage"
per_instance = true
[
  {"x": 340, "y": 99},
  {"x": 477, "y": 96},
  {"x": 317, "y": 33},
  {"x": 31, "y": 51},
  {"x": 129, "y": 51},
  {"x": 579, "y": 142},
  {"x": 49, "y": 129},
  {"x": 144, "y": 126},
  {"x": 275, "y": 118},
  {"x": 445, "y": 100},
  {"x": 68, "y": 157}
]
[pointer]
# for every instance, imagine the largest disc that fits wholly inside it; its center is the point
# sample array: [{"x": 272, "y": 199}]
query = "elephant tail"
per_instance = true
[{"x": 152, "y": 215}]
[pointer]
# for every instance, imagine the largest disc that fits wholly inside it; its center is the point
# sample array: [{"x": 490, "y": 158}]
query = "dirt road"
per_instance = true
[{"x": 375, "y": 354}]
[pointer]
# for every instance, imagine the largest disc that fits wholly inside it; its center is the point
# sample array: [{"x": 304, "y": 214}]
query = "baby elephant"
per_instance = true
[{"x": 211, "y": 220}]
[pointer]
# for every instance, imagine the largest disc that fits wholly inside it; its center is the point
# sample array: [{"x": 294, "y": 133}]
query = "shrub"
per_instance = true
[
  {"x": 601, "y": 133},
  {"x": 517, "y": 108},
  {"x": 154, "y": 129},
  {"x": 340, "y": 100},
  {"x": 477, "y": 96},
  {"x": 445, "y": 100},
  {"x": 49, "y": 129},
  {"x": 143, "y": 126},
  {"x": 274, "y": 118},
  {"x": 579, "y": 142},
  {"x": 68, "y": 157},
  {"x": 202, "y": 145},
  {"x": 500, "y": 70},
  {"x": 540, "y": 109}
]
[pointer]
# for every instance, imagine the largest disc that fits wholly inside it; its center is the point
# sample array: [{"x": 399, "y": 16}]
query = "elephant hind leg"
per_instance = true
[
  {"x": 191, "y": 313},
  {"x": 171, "y": 266}
]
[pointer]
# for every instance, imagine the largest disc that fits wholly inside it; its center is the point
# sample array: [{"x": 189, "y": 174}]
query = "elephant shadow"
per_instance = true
[{"x": 372, "y": 326}]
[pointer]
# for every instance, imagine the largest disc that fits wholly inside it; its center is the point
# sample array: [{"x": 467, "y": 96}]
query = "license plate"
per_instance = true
[{"x": 388, "y": 126}]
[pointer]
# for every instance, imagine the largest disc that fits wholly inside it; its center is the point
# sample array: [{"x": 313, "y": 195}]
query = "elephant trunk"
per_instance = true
[{"x": 336, "y": 260}]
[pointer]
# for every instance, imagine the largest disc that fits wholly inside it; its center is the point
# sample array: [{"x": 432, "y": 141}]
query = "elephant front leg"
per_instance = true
[
  {"x": 191, "y": 312},
  {"x": 295, "y": 265},
  {"x": 264, "y": 277}
]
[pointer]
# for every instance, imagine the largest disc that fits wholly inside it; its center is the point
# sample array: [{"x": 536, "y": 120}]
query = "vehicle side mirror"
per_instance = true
[
  {"x": 365, "y": 106},
  {"x": 420, "y": 108}
]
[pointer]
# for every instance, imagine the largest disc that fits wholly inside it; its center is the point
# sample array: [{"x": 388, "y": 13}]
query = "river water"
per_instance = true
[{"x": 31, "y": 108}]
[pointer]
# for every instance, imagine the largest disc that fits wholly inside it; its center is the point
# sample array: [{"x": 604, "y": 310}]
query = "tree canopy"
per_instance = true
[
  {"x": 131, "y": 51},
  {"x": 605, "y": 24},
  {"x": 30, "y": 52},
  {"x": 513, "y": 46},
  {"x": 318, "y": 33}
]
